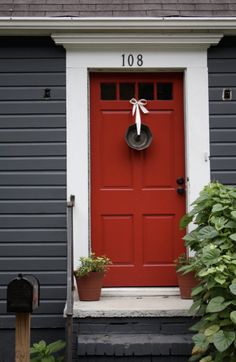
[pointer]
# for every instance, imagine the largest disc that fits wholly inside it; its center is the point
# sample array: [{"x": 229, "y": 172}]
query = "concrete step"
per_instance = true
[{"x": 133, "y": 339}]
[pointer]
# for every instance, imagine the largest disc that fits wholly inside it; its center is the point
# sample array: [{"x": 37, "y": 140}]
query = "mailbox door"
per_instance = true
[{"x": 19, "y": 296}]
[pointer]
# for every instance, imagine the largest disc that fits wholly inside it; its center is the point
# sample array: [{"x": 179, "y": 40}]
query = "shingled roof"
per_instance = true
[{"x": 117, "y": 8}]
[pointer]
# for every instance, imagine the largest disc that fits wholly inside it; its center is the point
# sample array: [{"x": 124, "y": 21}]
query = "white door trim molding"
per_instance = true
[
  {"x": 111, "y": 38},
  {"x": 81, "y": 58}
]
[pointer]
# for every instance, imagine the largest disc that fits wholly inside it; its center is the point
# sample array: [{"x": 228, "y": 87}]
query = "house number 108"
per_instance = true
[{"x": 132, "y": 60}]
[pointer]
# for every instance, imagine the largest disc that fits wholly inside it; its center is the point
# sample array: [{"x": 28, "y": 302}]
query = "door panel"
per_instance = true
[{"x": 135, "y": 209}]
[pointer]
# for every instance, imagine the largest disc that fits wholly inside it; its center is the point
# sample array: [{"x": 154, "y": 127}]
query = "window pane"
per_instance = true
[
  {"x": 146, "y": 90},
  {"x": 127, "y": 91},
  {"x": 108, "y": 91},
  {"x": 164, "y": 91}
]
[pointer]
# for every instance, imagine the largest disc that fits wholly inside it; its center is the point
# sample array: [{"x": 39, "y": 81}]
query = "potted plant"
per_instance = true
[
  {"x": 214, "y": 240},
  {"x": 89, "y": 276},
  {"x": 186, "y": 275}
]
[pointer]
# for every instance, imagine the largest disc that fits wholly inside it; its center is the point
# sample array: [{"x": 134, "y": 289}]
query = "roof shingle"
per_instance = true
[{"x": 118, "y": 8}]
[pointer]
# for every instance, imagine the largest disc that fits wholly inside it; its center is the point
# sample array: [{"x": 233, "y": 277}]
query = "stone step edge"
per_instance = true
[{"x": 136, "y": 344}]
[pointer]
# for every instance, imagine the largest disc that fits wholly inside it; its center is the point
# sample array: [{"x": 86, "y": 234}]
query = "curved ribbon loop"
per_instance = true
[{"x": 137, "y": 106}]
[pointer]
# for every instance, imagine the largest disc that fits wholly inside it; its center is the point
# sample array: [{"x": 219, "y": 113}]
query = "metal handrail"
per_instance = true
[{"x": 70, "y": 280}]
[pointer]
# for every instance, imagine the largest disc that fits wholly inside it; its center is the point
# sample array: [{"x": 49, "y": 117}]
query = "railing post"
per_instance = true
[{"x": 70, "y": 284}]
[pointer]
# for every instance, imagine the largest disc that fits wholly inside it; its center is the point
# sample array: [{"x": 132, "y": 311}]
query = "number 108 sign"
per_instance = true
[{"x": 131, "y": 60}]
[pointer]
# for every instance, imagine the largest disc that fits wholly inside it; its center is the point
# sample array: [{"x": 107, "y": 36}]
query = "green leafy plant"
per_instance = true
[
  {"x": 92, "y": 263},
  {"x": 214, "y": 243},
  {"x": 41, "y": 352},
  {"x": 184, "y": 263}
]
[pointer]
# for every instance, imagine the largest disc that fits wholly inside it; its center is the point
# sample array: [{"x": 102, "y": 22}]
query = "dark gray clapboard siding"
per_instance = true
[
  {"x": 46, "y": 292},
  {"x": 40, "y": 121},
  {"x": 55, "y": 278},
  {"x": 222, "y": 74},
  {"x": 33, "y": 193},
  {"x": 33, "y": 172},
  {"x": 32, "y": 207}
]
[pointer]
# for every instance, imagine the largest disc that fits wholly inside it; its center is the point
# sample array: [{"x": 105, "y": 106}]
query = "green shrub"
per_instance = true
[
  {"x": 41, "y": 352},
  {"x": 214, "y": 243}
]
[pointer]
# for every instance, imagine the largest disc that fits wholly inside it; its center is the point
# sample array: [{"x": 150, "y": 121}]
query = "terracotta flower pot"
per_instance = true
[
  {"x": 186, "y": 283},
  {"x": 89, "y": 287}
]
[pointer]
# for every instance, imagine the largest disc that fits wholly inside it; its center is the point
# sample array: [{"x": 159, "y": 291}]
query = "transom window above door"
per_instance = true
[{"x": 127, "y": 90}]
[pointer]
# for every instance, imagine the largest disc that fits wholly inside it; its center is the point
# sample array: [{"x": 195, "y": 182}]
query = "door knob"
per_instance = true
[{"x": 180, "y": 181}]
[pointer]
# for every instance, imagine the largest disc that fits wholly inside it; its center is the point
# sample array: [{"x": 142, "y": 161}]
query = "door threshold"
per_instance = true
[{"x": 140, "y": 292}]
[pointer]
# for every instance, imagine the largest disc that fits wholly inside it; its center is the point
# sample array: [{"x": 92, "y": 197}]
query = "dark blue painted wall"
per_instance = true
[
  {"x": 222, "y": 75},
  {"x": 33, "y": 173}
]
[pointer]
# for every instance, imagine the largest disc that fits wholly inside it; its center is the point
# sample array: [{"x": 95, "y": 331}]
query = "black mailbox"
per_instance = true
[{"x": 23, "y": 294}]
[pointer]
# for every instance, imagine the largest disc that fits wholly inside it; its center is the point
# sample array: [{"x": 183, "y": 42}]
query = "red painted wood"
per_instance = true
[{"x": 135, "y": 209}]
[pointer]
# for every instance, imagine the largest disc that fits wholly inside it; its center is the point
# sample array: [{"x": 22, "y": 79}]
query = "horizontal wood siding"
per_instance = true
[
  {"x": 222, "y": 74},
  {"x": 33, "y": 172}
]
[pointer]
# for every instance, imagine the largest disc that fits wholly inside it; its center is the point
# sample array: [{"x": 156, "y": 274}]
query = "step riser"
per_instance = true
[
  {"x": 174, "y": 325},
  {"x": 133, "y": 359},
  {"x": 133, "y": 339}
]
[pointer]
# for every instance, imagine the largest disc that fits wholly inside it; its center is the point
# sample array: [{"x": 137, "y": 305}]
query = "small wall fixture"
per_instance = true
[
  {"x": 47, "y": 93},
  {"x": 227, "y": 94}
]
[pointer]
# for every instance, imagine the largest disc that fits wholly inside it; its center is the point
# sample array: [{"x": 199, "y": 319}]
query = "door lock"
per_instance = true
[{"x": 180, "y": 190}]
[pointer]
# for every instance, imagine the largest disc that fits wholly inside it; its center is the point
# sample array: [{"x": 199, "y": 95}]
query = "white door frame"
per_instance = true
[{"x": 103, "y": 52}]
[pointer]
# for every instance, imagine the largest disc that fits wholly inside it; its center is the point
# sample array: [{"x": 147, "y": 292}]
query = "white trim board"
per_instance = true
[
  {"x": 46, "y": 25},
  {"x": 188, "y": 57}
]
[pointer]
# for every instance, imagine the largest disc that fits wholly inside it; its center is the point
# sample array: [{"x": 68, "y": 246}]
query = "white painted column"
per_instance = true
[
  {"x": 77, "y": 152},
  {"x": 196, "y": 131}
]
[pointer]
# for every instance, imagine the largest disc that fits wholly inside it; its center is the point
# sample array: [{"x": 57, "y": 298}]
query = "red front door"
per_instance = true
[{"x": 135, "y": 207}]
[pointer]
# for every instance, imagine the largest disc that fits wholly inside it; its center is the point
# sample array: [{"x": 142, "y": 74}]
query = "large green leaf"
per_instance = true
[
  {"x": 219, "y": 222},
  {"x": 195, "y": 357},
  {"x": 217, "y": 304},
  {"x": 233, "y": 316},
  {"x": 201, "y": 343},
  {"x": 232, "y": 288},
  {"x": 233, "y": 237},
  {"x": 206, "y": 272},
  {"x": 218, "y": 207},
  {"x": 186, "y": 219},
  {"x": 220, "y": 279},
  {"x": 210, "y": 256},
  {"x": 195, "y": 306},
  {"x": 197, "y": 290},
  {"x": 190, "y": 237},
  {"x": 56, "y": 346},
  {"x": 206, "y": 359},
  {"x": 211, "y": 330},
  {"x": 223, "y": 339},
  {"x": 199, "y": 325},
  {"x": 230, "y": 225},
  {"x": 233, "y": 213},
  {"x": 208, "y": 232},
  {"x": 204, "y": 196}
]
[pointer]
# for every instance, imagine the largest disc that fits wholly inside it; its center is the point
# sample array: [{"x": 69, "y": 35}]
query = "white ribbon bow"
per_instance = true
[{"x": 137, "y": 106}]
